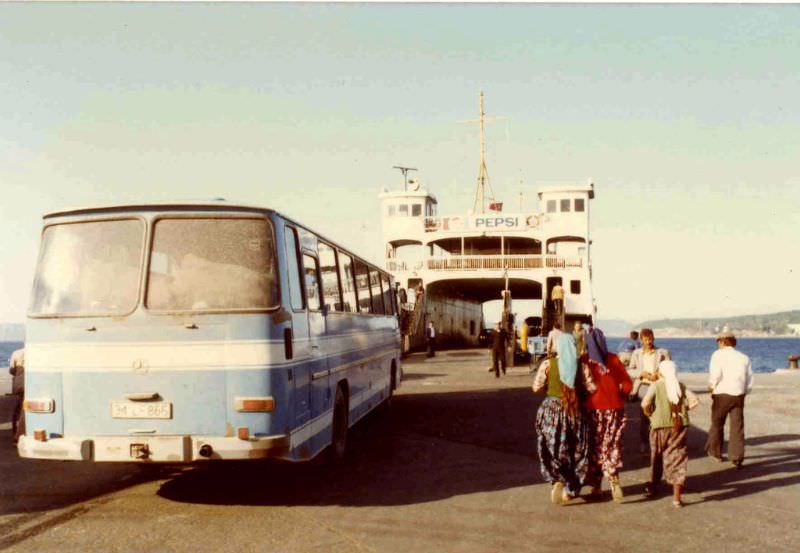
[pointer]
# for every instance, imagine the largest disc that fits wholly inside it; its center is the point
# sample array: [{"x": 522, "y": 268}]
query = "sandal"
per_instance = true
[
  {"x": 556, "y": 493},
  {"x": 677, "y": 503},
  {"x": 649, "y": 490},
  {"x": 616, "y": 491}
]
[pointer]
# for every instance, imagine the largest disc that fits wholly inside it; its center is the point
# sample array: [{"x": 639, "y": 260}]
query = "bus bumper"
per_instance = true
[{"x": 154, "y": 449}]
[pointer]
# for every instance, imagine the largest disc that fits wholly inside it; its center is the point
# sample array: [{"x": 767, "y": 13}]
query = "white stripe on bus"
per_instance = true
[{"x": 176, "y": 356}]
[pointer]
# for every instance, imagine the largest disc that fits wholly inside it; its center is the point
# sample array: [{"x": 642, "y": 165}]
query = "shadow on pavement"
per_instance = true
[
  {"x": 29, "y": 486},
  {"x": 430, "y": 447}
]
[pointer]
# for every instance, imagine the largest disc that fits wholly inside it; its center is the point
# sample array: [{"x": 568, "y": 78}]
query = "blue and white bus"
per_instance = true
[{"x": 188, "y": 332}]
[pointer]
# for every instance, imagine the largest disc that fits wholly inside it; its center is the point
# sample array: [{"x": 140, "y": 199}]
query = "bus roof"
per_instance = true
[
  {"x": 219, "y": 203},
  {"x": 215, "y": 203}
]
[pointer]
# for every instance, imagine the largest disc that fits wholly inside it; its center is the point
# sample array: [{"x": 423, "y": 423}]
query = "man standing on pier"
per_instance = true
[
  {"x": 499, "y": 350},
  {"x": 628, "y": 346},
  {"x": 552, "y": 340},
  {"x": 430, "y": 335},
  {"x": 730, "y": 379}
]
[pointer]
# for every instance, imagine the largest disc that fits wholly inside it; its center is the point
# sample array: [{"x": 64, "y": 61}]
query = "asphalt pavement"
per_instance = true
[{"x": 451, "y": 467}]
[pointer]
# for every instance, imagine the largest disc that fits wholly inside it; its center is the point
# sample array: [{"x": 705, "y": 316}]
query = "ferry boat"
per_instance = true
[{"x": 449, "y": 265}]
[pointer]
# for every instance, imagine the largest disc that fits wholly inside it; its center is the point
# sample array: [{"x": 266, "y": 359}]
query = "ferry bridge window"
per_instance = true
[
  {"x": 402, "y": 210},
  {"x": 579, "y": 204},
  {"x": 416, "y": 210},
  {"x": 551, "y": 206},
  {"x": 330, "y": 277},
  {"x": 347, "y": 276},
  {"x": 575, "y": 286},
  {"x": 89, "y": 268},
  {"x": 375, "y": 286},
  {"x": 565, "y": 205},
  {"x": 293, "y": 263},
  {"x": 312, "y": 284},
  {"x": 200, "y": 264},
  {"x": 362, "y": 285}
]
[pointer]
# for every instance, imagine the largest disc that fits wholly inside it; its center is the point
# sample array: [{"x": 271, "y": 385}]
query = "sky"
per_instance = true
[{"x": 685, "y": 117}]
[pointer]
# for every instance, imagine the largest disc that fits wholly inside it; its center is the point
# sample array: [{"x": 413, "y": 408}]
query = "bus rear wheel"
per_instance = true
[{"x": 338, "y": 447}]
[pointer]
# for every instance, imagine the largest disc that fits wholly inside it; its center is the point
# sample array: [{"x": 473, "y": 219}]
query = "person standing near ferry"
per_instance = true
[
  {"x": 580, "y": 337},
  {"x": 628, "y": 346},
  {"x": 16, "y": 368},
  {"x": 730, "y": 379},
  {"x": 499, "y": 339},
  {"x": 643, "y": 369},
  {"x": 430, "y": 335},
  {"x": 606, "y": 407},
  {"x": 557, "y": 295},
  {"x": 562, "y": 429},
  {"x": 552, "y": 339}
]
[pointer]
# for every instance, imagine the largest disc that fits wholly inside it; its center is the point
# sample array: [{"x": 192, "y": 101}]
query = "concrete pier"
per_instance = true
[{"x": 451, "y": 468}]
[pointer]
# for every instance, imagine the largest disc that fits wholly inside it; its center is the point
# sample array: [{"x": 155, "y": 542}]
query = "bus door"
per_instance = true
[
  {"x": 301, "y": 345},
  {"x": 316, "y": 332}
]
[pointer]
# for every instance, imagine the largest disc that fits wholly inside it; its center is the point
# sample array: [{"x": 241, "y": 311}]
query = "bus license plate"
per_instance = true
[{"x": 125, "y": 410}]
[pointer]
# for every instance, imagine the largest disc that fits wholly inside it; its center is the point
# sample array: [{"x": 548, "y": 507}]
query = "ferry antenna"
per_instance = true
[
  {"x": 483, "y": 173},
  {"x": 405, "y": 171}
]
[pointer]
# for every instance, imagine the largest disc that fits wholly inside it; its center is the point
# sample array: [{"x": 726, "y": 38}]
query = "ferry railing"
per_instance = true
[{"x": 500, "y": 262}]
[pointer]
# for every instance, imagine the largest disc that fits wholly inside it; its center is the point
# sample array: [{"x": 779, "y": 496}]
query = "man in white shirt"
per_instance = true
[
  {"x": 552, "y": 339},
  {"x": 730, "y": 379}
]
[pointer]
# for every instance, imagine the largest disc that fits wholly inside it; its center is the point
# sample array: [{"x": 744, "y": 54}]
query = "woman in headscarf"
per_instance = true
[
  {"x": 606, "y": 408},
  {"x": 561, "y": 426},
  {"x": 667, "y": 403}
]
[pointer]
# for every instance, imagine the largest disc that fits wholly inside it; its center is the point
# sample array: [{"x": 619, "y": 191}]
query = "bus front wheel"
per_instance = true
[{"x": 338, "y": 447}]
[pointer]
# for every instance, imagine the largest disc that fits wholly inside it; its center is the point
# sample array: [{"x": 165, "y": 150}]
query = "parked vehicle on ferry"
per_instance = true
[{"x": 188, "y": 332}]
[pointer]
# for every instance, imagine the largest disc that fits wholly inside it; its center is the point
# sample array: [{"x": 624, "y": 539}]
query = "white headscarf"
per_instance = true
[{"x": 669, "y": 372}]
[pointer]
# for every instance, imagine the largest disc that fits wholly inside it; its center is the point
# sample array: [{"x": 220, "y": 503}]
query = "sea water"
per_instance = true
[{"x": 691, "y": 354}]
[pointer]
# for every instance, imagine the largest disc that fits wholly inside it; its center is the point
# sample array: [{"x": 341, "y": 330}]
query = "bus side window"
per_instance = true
[
  {"x": 293, "y": 266},
  {"x": 312, "y": 283},
  {"x": 387, "y": 294},
  {"x": 362, "y": 283},
  {"x": 330, "y": 277},
  {"x": 348, "y": 279},
  {"x": 375, "y": 286}
]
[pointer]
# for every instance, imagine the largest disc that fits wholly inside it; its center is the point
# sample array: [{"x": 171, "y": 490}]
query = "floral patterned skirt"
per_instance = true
[
  {"x": 606, "y": 457},
  {"x": 669, "y": 455},
  {"x": 563, "y": 445}
]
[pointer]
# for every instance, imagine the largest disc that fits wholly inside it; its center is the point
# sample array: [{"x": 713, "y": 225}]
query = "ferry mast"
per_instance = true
[{"x": 483, "y": 173}]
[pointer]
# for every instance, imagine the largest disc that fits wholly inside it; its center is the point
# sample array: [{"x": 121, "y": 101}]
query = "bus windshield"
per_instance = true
[
  {"x": 89, "y": 268},
  {"x": 202, "y": 264}
]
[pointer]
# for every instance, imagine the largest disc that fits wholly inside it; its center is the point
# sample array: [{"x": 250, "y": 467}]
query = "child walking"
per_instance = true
[{"x": 667, "y": 403}]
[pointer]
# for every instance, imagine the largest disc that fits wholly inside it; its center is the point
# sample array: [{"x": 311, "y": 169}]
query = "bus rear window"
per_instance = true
[
  {"x": 89, "y": 268},
  {"x": 202, "y": 264}
]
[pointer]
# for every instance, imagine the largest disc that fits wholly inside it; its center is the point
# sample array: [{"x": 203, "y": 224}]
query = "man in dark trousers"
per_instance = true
[
  {"x": 430, "y": 335},
  {"x": 499, "y": 350},
  {"x": 730, "y": 379}
]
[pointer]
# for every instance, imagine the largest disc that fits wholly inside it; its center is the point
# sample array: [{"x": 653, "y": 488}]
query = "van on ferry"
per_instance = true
[{"x": 188, "y": 332}]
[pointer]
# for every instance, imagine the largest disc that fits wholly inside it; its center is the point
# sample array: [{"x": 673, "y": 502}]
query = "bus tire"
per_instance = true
[{"x": 338, "y": 448}]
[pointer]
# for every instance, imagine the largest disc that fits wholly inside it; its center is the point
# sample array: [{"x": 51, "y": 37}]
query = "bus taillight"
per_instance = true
[
  {"x": 39, "y": 405},
  {"x": 254, "y": 404}
]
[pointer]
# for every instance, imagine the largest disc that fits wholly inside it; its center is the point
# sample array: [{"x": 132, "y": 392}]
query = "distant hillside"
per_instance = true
[
  {"x": 615, "y": 327},
  {"x": 769, "y": 324},
  {"x": 12, "y": 332}
]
